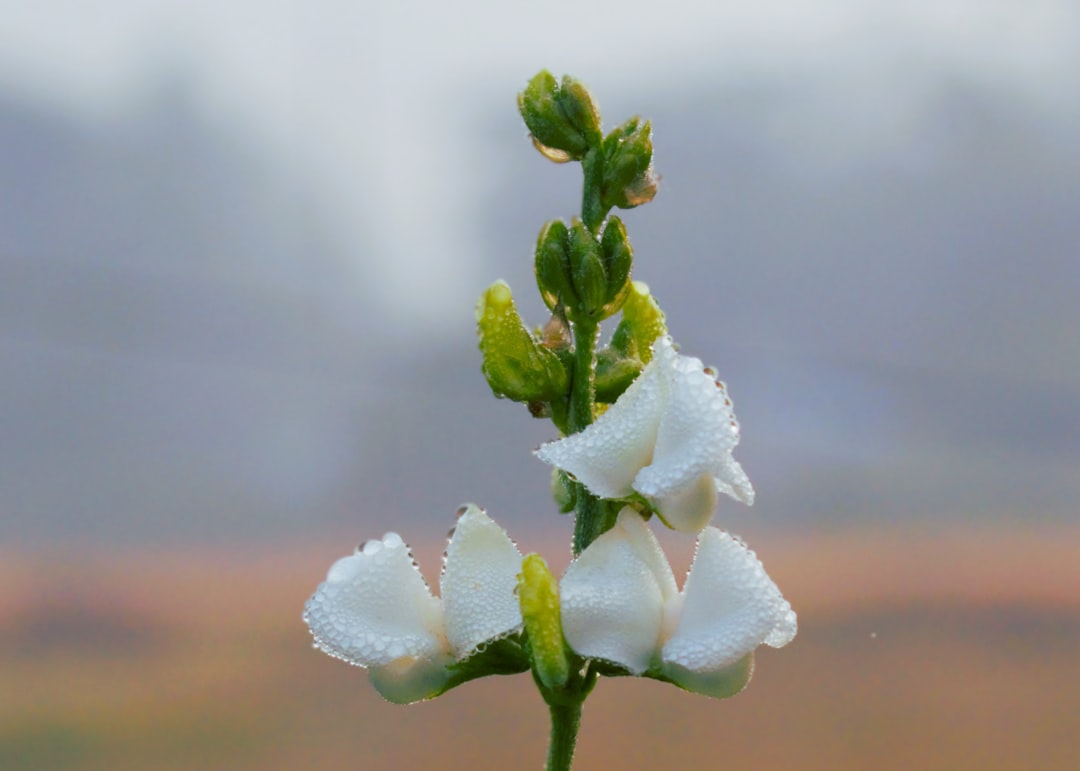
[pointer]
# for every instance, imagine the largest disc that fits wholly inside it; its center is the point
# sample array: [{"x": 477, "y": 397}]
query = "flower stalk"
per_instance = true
[{"x": 565, "y": 724}]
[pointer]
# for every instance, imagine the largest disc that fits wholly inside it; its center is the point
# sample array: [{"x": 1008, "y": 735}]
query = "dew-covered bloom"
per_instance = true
[
  {"x": 375, "y": 610},
  {"x": 669, "y": 438},
  {"x": 620, "y": 603}
]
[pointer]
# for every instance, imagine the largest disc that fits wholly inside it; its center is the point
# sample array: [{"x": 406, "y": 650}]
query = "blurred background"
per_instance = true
[{"x": 240, "y": 244}]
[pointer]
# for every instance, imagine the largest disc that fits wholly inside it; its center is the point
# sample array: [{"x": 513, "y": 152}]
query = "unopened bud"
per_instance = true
[
  {"x": 538, "y": 594},
  {"x": 563, "y": 120},
  {"x": 618, "y": 257},
  {"x": 628, "y": 176},
  {"x": 580, "y": 109},
  {"x": 553, "y": 271},
  {"x": 515, "y": 364},
  {"x": 587, "y": 270}
]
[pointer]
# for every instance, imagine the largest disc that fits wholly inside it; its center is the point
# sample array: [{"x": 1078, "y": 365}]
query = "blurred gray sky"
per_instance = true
[{"x": 240, "y": 244}]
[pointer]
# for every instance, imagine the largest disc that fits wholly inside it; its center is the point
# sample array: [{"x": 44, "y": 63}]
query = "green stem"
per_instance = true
[
  {"x": 565, "y": 722},
  {"x": 582, "y": 401},
  {"x": 583, "y": 385},
  {"x": 593, "y": 210}
]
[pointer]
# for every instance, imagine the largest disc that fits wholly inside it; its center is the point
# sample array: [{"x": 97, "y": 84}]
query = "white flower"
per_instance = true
[
  {"x": 620, "y": 603},
  {"x": 669, "y": 437},
  {"x": 375, "y": 610}
]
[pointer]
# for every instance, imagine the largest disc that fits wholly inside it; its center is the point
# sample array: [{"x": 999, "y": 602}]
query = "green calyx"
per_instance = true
[{"x": 517, "y": 365}]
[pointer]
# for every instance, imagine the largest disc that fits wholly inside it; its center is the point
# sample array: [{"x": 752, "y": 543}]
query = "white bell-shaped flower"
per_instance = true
[
  {"x": 669, "y": 437},
  {"x": 375, "y": 610},
  {"x": 620, "y": 603}
]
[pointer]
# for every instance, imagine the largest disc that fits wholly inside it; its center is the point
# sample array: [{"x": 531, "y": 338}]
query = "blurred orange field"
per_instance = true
[{"x": 917, "y": 650}]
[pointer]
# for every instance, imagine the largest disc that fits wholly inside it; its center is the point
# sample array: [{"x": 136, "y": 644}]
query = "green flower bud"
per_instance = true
[
  {"x": 563, "y": 120},
  {"x": 614, "y": 374},
  {"x": 628, "y": 176},
  {"x": 579, "y": 108},
  {"x": 553, "y": 273},
  {"x": 515, "y": 364},
  {"x": 587, "y": 270},
  {"x": 642, "y": 323},
  {"x": 538, "y": 593},
  {"x": 618, "y": 257}
]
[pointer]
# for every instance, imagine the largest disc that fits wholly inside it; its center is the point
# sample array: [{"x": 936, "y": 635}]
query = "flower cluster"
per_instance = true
[{"x": 646, "y": 433}]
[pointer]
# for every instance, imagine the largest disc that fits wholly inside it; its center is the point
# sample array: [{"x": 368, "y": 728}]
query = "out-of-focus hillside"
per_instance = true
[
  {"x": 947, "y": 652},
  {"x": 197, "y": 346}
]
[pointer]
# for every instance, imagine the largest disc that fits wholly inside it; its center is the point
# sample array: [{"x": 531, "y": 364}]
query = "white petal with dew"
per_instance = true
[
  {"x": 613, "y": 595},
  {"x": 606, "y": 456},
  {"x": 478, "y": 582},
  {"x": 731, "y": 606},
  {"x": 698, "y": 429},
  {"x": 732, "y": 480},
  {"x": 374, "y": 607}
]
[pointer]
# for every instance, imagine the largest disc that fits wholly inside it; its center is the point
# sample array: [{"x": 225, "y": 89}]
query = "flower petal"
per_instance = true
[
  {"x": 718, "y": 683},
  {"x": 479, "y": 582},
  {"x": 697, "y": 432},
  {"x": 732, "y": 480},
  {"x": 731, "y": 606},
  {"x": 607, "y": 455},
  {"x": 374, "y": 607},
  {"x": 689, "y": 509},
  {"x": 614, "y": 593}
]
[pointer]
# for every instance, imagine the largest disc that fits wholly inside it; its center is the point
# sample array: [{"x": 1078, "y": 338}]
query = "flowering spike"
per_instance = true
[{"x": 644, "y": 429}]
